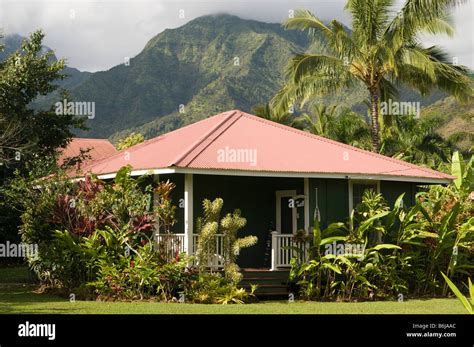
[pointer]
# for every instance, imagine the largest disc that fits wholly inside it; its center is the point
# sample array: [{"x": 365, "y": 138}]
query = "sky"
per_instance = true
[{"x": 97, "y": 35}]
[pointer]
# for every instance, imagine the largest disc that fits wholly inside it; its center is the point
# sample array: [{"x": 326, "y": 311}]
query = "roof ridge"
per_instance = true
[
  {"x": 89, "y": 139},
  {"x": 324, "y": 139},
  {"x": 196, "y": 144}
]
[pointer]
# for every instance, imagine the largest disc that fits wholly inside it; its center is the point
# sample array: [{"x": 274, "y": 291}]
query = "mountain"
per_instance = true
[
  {"x": 12, "y": 42},
  {"x": 456, "y": 121},
  {"x": 211, "y": 64}
]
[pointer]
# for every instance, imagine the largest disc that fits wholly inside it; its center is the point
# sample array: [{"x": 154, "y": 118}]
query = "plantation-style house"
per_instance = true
[{"x": 280, "y": 178}]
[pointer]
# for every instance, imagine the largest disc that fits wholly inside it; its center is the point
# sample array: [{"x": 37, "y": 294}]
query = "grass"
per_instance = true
[{"x": 18, "y": 296}]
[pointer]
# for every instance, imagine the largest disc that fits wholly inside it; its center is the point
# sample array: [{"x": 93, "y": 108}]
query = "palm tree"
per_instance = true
[
  {"x": 352, "y": 129},
  {"x": 381, "y": 51},
  {"x": 285, "y": 118},
  {"x": 416, "y": 141},
  {"x": 319, "y": 121}
]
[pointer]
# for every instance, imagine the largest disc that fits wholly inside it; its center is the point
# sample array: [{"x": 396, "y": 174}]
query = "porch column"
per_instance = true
[
  {"x": 156, "y": 180},
  {"x": 188, "y": 214},
  {"x": 274, "y": 251},
  {"x": 306, "y": 205}
]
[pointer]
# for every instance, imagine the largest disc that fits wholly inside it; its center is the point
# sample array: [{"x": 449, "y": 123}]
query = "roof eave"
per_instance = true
[{"x": 233, "y": 172}]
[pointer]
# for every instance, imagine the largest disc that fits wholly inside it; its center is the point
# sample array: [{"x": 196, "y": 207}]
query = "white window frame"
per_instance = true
[
  {"x": 284, "y": 194},
  {"x": 351, "y": 190}
]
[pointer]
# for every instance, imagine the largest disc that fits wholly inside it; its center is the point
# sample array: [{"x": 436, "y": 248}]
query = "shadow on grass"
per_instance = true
[{"x": 16, "y": 298}]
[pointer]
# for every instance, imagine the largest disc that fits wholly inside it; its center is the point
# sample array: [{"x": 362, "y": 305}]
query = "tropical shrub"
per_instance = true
[
  {"x": 405, "y": 249},
  {"x": 209, "y": 225},
  {"x": 365, "y": 270},
  {"x": 468, "y": 304},
  {"x": 59, "y": 215},
  {"x": 213, "y": 288},
  {"x": 94, "y": 239}
]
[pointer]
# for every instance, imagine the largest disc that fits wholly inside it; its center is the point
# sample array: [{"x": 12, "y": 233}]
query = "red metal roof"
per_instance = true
[
  {"x": 99, "y": 149},
  {"x": 236, "y": 140}
]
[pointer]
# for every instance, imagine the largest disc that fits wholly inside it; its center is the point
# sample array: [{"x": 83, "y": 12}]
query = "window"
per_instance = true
[{"x": 357, "y": 189}]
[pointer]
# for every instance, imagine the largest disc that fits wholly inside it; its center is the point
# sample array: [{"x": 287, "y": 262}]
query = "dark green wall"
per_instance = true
[
  {"x": 332, "y": 199},
  {"x": 255, "y": 197},
  {"x": 391, "y": 190}
]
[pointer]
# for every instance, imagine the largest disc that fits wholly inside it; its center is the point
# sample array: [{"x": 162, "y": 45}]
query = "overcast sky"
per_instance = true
[{"x": 97, "y": 35}]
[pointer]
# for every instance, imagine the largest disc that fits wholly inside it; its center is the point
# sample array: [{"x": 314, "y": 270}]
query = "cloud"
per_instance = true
[{"x": 97, "y": 35}]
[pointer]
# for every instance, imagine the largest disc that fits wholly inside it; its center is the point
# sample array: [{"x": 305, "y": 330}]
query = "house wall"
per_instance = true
[
  {"x": 332, "y": 200},
  {"x": 391, "y": 190},
  {"x": 333, "y": 197},
  {"x": 255, "y": 197}
]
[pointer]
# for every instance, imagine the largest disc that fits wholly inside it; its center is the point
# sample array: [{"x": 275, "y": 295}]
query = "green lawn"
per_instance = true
[
  {"x": 18, "y": 296},
  {"x": 21, "y": 299}
]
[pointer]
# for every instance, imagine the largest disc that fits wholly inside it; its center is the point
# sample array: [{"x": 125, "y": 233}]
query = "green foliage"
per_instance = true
[
  {"x": 405, "y": 249},
  {"x": 209, "y": 227},
  {"x": 29, "y": 137},
  {"x": 129, "y": 141},
  {"x": 469, "y": 305},
  {"x": 213, "y": 288},
  {"x": 77, "y": 210},
  {"x": 416, "y": 140},
  {"x": 164, "y": 209},
  {"x": 265, "y": 112},
  {"x": 379, "y": 51}
]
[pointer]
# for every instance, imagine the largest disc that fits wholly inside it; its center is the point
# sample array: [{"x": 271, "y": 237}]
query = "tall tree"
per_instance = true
[
  {"x": 28, "y": 133},
  {"x": 28, "y": 137},
  {"x": 380, "y": 51}
]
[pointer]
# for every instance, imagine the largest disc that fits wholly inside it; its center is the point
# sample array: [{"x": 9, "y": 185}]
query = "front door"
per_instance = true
[{"x": 285, "y": 211}]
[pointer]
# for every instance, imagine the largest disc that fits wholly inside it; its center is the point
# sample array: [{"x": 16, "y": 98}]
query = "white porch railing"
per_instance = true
[
  {"x": 284, "y": 248},
  {"x": 172, "y": 244}
]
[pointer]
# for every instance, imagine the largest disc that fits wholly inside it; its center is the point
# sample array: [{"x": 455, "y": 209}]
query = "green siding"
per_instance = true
[
  {"x": 332, "y": 199},
  {"x": 255, "y": 197},
  {"x": 391, "y": 190}
]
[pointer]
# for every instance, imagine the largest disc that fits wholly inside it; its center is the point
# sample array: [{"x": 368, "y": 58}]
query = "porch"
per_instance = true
[
  {"x": 284, "y": 247},
  {"x": 275, "y": 208}
]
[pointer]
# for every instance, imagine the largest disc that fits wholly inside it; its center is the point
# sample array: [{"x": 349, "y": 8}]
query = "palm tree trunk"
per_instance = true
[{"x": 374, "y": 115}]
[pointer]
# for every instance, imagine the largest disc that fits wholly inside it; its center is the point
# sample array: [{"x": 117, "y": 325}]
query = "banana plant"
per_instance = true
[{"x": 468, "y": 304}]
